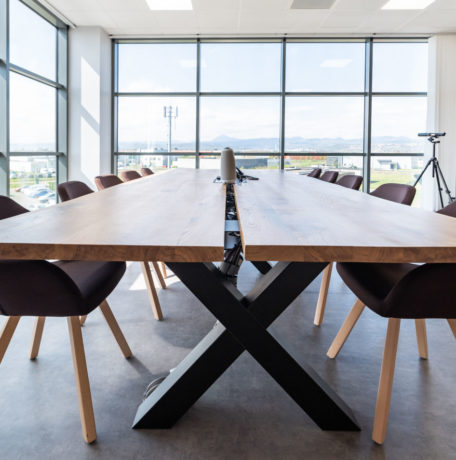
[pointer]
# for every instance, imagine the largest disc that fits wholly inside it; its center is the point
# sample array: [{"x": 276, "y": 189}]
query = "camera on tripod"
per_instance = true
[
  {"x": 435, "y": 168},
  {"x": 432, "y": 137}
]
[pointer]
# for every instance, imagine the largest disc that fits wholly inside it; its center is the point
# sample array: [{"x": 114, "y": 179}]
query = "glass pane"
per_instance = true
[
  {"x": 400, "y": 67},
  {"x": 145, "y": 126},
  {"x": 240, "y": 66},
  {"x": 246, "y": 124},
  {"x": 324, "y": 124},
  {"x": 32, "y": 41},
  {"x": 325, "y": 67},
  {"x": 242, "y": 161},
  {"x": 154, "y": 162},
  {"x": 32, "y": 115},
  {"x": 396, "y": 122},
  {"x": 160, "y": 67},
  {"x": 400, "y": 170},
  {"x": 33, "y": 181},
  {"x": 343, "y": 164}
]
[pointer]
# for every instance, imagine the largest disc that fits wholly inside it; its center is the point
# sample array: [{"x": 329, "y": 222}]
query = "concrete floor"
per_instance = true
[{"x": 245, "y": 415}]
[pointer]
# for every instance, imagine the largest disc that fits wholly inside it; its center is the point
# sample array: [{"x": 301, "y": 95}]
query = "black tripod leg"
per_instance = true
[
  {"x": 447, "y": 190},
  {"x": 422, "y": 172},
  {"x": 436, "y": 171}
]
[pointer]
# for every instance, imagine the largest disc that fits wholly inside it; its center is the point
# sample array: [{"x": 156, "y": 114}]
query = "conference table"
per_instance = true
[{"x": 179, "y": 217}]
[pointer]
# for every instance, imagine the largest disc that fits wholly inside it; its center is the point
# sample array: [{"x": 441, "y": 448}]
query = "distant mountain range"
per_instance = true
[{"x": 297, "y": 144}]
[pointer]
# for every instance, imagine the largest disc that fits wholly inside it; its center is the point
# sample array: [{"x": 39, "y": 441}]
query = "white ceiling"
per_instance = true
[{"x": 259, "y": 17}]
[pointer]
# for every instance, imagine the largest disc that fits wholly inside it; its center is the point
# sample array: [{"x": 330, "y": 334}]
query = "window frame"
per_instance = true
[
  {"x": 59, "y": 84},
  {"x": 367, "y": 94}
]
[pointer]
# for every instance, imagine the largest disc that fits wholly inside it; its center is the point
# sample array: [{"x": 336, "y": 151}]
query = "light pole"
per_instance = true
[{"x": 170, "y": 113}]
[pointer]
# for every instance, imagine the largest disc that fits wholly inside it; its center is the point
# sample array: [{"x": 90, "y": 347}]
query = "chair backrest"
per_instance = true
[
  {"x": 9, "y": 208},
  {"x": 315, "y": 172},
  {"x": 146, "y": 171},
  {"x": 106, "y": 181},
  {"x": 329, "y": 176},
  {"x": 449, "y": 210},
  {"x": 73, "y": 189},
  {"x": 129, "y": 175},
  {"x": 399, "y": 193},
  {"x": 351, "y": 181}
]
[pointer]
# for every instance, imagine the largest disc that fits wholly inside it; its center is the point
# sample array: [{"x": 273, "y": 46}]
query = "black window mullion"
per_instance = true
[{"x": 367, "y": 133}]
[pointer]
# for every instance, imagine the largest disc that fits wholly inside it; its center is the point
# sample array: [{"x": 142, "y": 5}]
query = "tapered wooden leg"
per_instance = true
[
  {"x": 82, "y": 319},
  {"x": 36, "y": 338},
  {"x": 163, "y": 266},
  {"x": 386, "y": 381},
  {"x": 346, "y": 328},
  {"x": 115, "y": 329},
  {"x": 7, "y": 332},
  {"x": 452, "y": 323},
  {"x": 82, "y": 380},
  {"x": 153, "y": 297},
  {"x": 321, "y": 304},
  {"x": 421, "y": 338},
  {"x": 159, "y": 275}
]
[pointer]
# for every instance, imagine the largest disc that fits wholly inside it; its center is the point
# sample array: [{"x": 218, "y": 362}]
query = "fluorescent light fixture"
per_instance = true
[
  {"x": 335, "y": 63},
  {"x": 407, "y": 4},
  {"x": 170, "y": 5}
]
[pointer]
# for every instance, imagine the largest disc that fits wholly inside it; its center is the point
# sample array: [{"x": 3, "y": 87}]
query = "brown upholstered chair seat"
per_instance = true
[
  {"x": 403, "y": 290},
  {"x": 95, "y": 280},
  {"x": 41, "y": 288}
]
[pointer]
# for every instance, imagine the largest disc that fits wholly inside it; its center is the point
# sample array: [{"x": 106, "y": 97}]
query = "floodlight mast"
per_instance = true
[{"x": 171, "y": 113}]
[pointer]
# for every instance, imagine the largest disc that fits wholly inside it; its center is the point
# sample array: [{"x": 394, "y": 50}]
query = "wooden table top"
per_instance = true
[
  {"x": 289, "y": 217},
  {"x": 177, "y": 216}
]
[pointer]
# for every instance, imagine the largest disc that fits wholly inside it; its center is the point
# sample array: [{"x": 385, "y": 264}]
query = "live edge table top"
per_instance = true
[
  {"x": 289, "y": 217},
  {"x": 179, "y": 216}
]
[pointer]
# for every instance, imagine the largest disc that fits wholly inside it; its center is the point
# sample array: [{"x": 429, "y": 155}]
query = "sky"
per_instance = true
[{"x": 226, "y": 67}]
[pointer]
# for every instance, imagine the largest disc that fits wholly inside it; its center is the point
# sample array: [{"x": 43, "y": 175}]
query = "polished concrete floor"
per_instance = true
[{"x": 245, "y": 415}]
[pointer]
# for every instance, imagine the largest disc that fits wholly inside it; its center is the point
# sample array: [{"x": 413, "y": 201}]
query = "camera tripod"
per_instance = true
[{"x": 436, "y": 171}]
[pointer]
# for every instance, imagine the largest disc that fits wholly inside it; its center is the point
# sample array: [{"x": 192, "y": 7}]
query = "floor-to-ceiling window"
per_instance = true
[
  {"x": 352, "y": 105},
  {"x": 33, "y": 72}
]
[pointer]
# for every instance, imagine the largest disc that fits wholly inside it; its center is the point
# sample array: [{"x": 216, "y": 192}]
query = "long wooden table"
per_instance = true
[{"x": 179, "y": 217}]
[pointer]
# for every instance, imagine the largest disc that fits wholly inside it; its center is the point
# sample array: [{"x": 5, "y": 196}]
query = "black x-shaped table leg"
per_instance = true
[{"x": 242, "y": 325}]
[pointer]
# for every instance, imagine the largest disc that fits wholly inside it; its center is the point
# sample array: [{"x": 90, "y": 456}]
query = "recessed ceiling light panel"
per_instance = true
[
  {"x": 312, "y": 4},
  {"x": 170, "y": 5},
  {"x": 407, "y": 4}
]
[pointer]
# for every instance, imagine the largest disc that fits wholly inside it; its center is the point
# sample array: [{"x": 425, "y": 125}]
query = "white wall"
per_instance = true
[
  {"x": 442, "y": 112},
  {"x": 89, "y": 104}
]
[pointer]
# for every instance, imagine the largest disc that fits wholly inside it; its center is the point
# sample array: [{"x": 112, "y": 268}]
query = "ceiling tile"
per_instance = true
[
  {"x": 223, "y": 18},
  {"x": 251, "y": 16},
  {"x": 344, "y": 19}
]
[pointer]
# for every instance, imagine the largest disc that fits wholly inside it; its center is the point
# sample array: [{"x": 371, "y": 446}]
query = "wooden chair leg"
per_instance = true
[
  {"x": 36, "y": 338},
  {"x": 421, "y": 338},
  {"x": 346, "y": 328},
  {"x": 82, "y": 380},
  {"x": 452, "y": 324},
  {"x": 159, "y": 275},
  {"x": 7, "y": 332},
  {"x": 386, "y": 381},
  {"x": 153, "y": 297},
  {"x": 115, "y": 329},
  {"x": 163, "y": 267},
  {"x": 82, "y": 319},
  {"x": 324, "y": 287}
]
